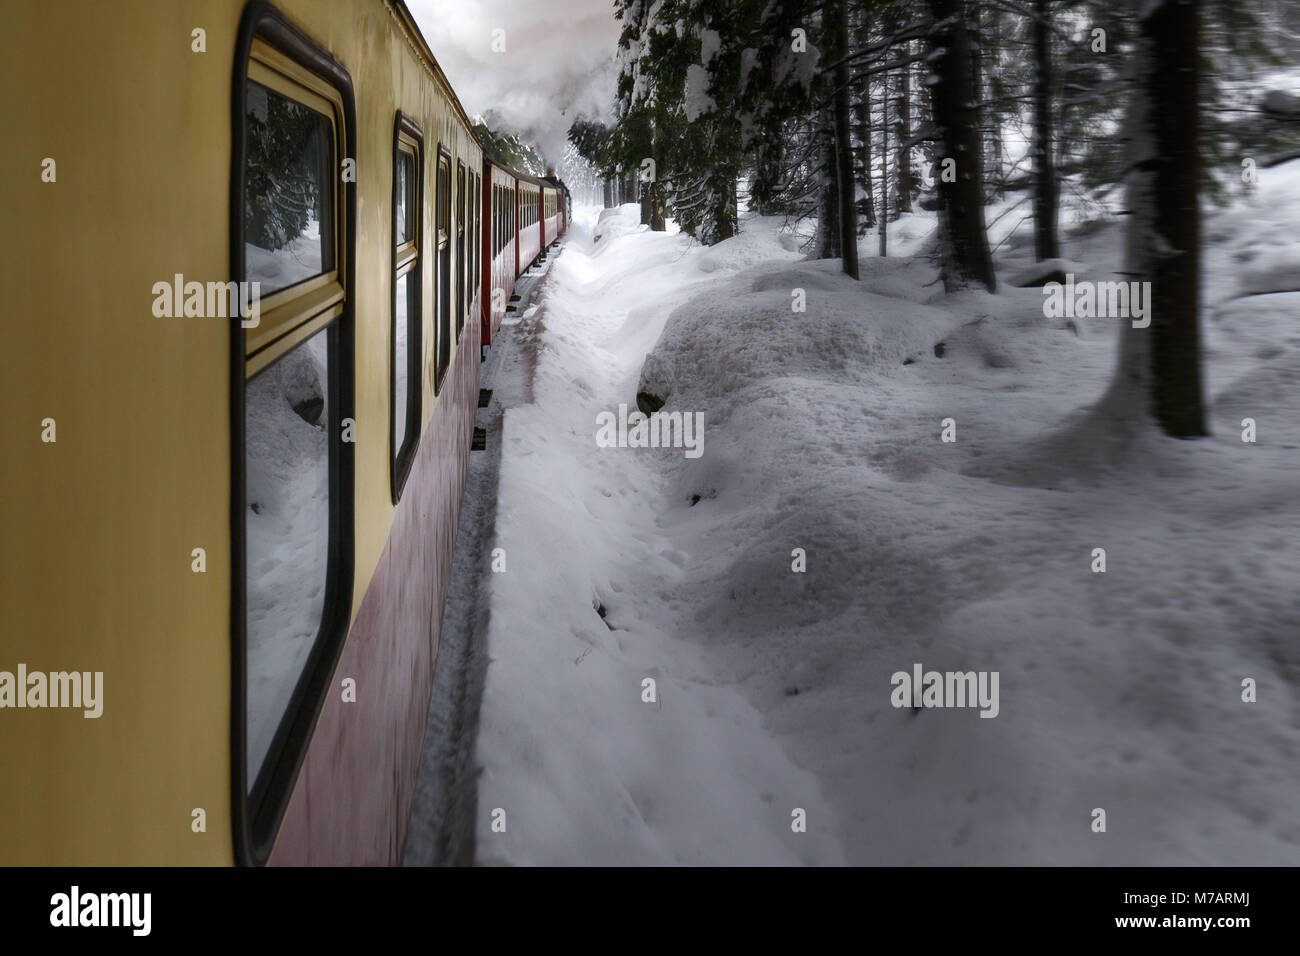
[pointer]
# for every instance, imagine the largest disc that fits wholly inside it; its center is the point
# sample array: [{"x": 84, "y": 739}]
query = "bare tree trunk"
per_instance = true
[
  {"x": 837, "y": 33},
  {"x": 995, "y": 29},
  {"x": 964, "y": 244},
  {"x": 1160, "y": 366},
  {"x": 884, "y": 168},
  {"x": 1045, "y": 194},
  {"x": 905, "y": 181},
  {"x": 722, "y": 185},
  {"x": 862, "y": 122},
  {"x": 828, "y": 221},
  {"x": 767, "y": 175},
  {"x": 654, "y": 195}
]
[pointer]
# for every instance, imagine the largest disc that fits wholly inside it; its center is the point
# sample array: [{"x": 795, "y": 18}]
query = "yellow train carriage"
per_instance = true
[{"x": 239, "y": 253}]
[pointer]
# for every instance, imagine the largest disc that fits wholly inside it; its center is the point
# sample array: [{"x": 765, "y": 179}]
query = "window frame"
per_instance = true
[
  {"x": 408, "y": 258},
  {"x": 283, "y": 311},
  {"x": 268, "y": 38}
]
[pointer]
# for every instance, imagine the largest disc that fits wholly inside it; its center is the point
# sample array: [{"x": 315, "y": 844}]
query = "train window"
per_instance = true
[
  {"x": 443, "y": 214},
  {"x": 461, "y": 261},
  {"x": 406, "y": 361},
  {"x": 291, "y": 377}
]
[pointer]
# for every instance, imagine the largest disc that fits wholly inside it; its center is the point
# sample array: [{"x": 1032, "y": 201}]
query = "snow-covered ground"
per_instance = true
[{"x": 772, "y": 687}]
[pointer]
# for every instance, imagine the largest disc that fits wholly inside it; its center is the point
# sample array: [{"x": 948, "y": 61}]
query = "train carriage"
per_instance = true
[
  {"x": 529, "y": 245},
  {"x": 499, "y": 246},
  {"x": 550, "y": 213},
  {"x": 252, "y": 242}
]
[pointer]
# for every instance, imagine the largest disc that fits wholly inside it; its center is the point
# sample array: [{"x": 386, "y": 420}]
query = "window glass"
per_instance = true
[
  {"x": 403, "y": 298},
  {"x": 404, "y": 215},
  {"x": 288, "y": 191},
  {"x": 407, "y": 358},
  {"x": 445, "y": 317},
  {"x": 287, "y": 424}
]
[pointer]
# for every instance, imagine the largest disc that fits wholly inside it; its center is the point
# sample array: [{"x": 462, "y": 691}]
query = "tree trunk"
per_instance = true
[
  {"x": 964, "y": 244},
  {"x": 905, "y": 181},
  {"x": 828, "y": 220},
  {"x": 1160, "y": 366},
  {"x": 837, "y": 33},
  {"x": 767, "y": 176},
  {"x": 1045, "y": 195},
  {"x": 884, "y": 168},
  {"x": 996, "y": 29},
  {"x": 862, "y": 121},
  {"x": 722, "y": 186}
]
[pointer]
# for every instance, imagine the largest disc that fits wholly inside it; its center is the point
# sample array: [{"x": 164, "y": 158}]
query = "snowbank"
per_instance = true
[{"x": 1119, "y": 690}]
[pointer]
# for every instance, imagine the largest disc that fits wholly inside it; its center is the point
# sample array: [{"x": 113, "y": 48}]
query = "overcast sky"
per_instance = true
[{"x": 558, "y": 61}]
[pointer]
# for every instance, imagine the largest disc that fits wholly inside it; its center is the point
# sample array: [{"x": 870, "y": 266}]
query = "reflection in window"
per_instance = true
[
  {"x": 287, "y": 522},
  {"x": 401, "y": 358},
  {"x": 288, "y": 232},
  {"x": 408, "y": 354},
  {"x": 404, "y": 216},
  {"x": 443, "y": 226}
]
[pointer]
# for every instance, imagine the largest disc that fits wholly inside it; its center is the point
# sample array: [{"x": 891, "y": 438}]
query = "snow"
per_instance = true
[
  {"x": 1119, "y": 690},
  {"x": 697, "y": 101},
  {"x": 710, "y": 44},
  {"x": 300, "y": 259}
]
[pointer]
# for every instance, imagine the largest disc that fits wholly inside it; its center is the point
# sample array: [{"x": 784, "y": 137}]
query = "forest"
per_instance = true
[{"x": 845, "y": 115}]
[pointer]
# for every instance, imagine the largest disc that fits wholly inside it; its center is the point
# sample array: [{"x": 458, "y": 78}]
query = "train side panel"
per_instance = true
[
  {"x": 119, "y": 536},
  {"x": 104, "y": 508},
  {"x": 530, "y": 234},
  {"x": 352, "y": 799},
  {"x": 498, "y": 207}
]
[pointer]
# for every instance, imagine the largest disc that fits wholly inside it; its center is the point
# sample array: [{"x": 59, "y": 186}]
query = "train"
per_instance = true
[{"x": 253, "y": 254}]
